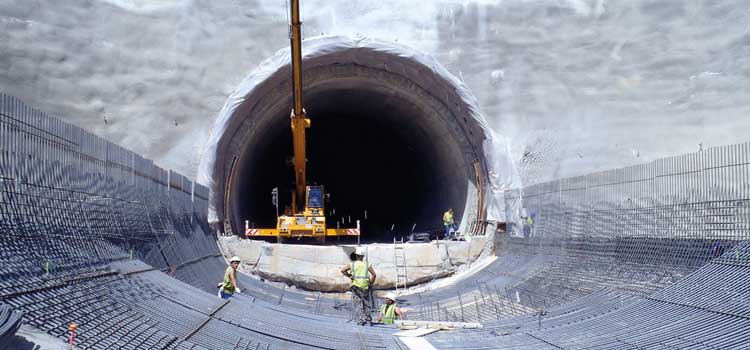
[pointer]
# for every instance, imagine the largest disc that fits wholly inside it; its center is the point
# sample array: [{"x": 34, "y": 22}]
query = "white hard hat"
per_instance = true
[
  {"x": 235, "y": 258},
  {"x": 391, "y": 296},
  {"x": 359, "y": 251}
]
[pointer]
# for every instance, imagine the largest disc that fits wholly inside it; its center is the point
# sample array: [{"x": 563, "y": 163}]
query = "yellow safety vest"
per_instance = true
[
  {"x": 360, "y": 274},
  {"x": 447, "y": 218},
  {"x": 228, "y": 287},
  {"x": 388, "y": 312}
]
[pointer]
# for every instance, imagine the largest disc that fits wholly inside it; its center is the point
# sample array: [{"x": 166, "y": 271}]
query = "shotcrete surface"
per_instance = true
[
  {"x": 632, "y": 80},
  {"x": 318, "y": 267}
]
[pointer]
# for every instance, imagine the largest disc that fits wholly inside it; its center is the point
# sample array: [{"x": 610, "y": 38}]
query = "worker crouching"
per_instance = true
[
  {"x": 228, "y": 286},
  {"x": 362, "y": 276},
  {"x": 390, "y": 310}
]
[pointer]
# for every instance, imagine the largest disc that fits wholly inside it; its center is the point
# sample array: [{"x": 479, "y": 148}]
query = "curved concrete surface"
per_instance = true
[
  {"x": 394, "y": 134},
  {"x": 318, "y": 268}
]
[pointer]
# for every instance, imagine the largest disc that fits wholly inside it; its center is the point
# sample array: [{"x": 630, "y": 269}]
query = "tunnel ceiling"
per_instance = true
[{"x": 389, "y": 136}]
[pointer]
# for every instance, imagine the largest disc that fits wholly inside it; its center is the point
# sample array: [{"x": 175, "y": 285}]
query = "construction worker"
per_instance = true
[
  {"x": 229, "y": 286},
  {"x": 449, "y": 223},
  {"x": 362, "y": 276},
  {"x": 389, "y": 310},
  {"x": 528, "y": 226},
  {"x": 717, "y": 249}
]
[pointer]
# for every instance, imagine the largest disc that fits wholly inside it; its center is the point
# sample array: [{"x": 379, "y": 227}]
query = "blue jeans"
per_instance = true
[
  {"x": 225, "y": 295},
  {"x": 448, "y": 229}
]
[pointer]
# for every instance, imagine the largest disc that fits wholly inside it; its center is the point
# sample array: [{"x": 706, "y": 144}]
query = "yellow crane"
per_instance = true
[{"x": 308, "y": 202}]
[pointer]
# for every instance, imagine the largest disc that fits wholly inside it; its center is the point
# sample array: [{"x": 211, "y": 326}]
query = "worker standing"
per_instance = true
[
  {"x": 449, "y": 223},
  {"x": 229, "y": 285},
  {"x": 528, "y": 226},
  {"x": 362, "y": 276},
  {"x": 389, "y": 310}
]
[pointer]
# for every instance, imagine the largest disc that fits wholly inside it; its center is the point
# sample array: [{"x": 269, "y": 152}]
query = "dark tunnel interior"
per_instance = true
[{"x": 379, "y": 158}]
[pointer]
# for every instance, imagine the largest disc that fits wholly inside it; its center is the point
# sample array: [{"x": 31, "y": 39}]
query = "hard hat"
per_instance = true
[
  {"x": 391, "y": 296},
  {"x": 359, "y": 251},
  {"x": 235, "y": 258}
]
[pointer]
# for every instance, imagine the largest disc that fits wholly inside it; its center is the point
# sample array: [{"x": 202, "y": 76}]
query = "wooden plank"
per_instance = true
[{"x": 406, "y": 324}]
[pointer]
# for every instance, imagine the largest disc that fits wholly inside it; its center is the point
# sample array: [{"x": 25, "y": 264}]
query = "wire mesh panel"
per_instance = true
[
  {"x": 700, "y": 196},
  {"x": 613, "y": 246},
  {"x": 70, "y": 200},
  {"x": 646, "y": 225}
]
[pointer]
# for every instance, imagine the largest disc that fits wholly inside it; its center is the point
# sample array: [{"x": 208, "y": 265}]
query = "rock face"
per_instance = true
[{"x": 318, "y": 267}]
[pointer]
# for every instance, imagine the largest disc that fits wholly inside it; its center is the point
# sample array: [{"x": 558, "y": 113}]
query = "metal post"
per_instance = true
[
  {"x": 281, "y": 297},
  {"x": 395, "y": 262},
  {"x": 461, "y": 303},
  {"x": 476, "y": 303}
]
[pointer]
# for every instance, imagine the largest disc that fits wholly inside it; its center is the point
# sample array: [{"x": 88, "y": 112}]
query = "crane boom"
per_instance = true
[
  {"x": 308, "y": 202},
  {"x": 299, "y": 119}
]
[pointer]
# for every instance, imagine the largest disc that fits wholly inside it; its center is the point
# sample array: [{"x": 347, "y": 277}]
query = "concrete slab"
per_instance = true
[
  {"x": 30, "y": 338},
  {"x": 318, "y": 267},
  {"x": 454, "y": 279},
  {"x": 416, "y": 343}
]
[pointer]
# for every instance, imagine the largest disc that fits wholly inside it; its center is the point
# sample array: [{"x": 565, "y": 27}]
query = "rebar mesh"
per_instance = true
[{"x": 650, "y": 256}]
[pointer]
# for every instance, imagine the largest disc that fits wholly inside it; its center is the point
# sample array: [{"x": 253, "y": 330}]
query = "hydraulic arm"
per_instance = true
[
  {"x": 299, "y": 120},
  {"x": 308, "y": 202}
]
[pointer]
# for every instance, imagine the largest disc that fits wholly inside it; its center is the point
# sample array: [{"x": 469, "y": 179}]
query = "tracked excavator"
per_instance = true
[{"x": 307, "y": 217}]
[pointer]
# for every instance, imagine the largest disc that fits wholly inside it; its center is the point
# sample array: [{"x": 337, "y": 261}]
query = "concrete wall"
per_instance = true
[{"x": 318, "y": 267}]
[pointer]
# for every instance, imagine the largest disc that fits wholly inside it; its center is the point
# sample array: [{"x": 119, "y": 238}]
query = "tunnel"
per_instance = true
[
  {"x": 628, "y": 227},
  {"x": 394, "y": 140},
  {"x": 121, "y": 248}
]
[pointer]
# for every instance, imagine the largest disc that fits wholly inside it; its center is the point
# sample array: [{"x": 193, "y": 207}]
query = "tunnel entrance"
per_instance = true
[
  {"x": 390, "y": 136},
  {"x": 374, "y": 159}
]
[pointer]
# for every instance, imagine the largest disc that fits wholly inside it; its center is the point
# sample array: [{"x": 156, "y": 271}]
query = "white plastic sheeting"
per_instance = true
[
  {"x": 418, "y": 67},
  {"x": 503, "y": 175}
]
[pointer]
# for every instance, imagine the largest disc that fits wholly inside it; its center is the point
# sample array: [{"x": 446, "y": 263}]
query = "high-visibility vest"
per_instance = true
[
  {"x": 448, "y": 218},
  {"x": 388, "y": 312},
  {"x": 228, "y": 287},
  {"x": 360, "y": 274}
]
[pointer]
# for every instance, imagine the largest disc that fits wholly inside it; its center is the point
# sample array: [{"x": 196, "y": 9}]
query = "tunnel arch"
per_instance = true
[{"x": 392, "y": 133}]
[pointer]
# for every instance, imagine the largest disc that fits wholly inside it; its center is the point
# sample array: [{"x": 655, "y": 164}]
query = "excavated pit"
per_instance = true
[
  {"x": 392, "y": 135},
  {"x": 135, "y": 255}
]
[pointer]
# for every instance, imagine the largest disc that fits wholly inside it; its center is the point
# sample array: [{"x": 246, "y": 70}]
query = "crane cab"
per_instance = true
[
  {"x": 310, "y": 222},
  {"x": 306, "y": 220}
]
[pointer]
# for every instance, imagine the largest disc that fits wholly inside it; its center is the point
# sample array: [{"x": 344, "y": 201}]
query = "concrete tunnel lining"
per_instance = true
[{"x": 418, "y": 102}]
